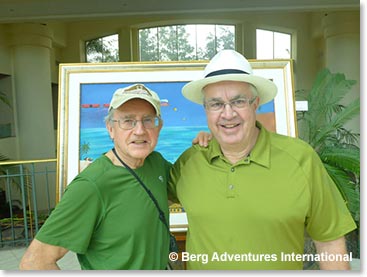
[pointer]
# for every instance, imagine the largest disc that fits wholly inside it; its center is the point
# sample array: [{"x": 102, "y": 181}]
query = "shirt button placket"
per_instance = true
[{"x": 231, "y": 188}]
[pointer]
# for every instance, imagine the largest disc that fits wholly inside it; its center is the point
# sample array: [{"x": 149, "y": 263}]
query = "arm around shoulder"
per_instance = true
[{"x": 42, "y": 256}]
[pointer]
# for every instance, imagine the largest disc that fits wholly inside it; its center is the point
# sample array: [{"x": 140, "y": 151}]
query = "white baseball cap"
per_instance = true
[{"x": 122, "y": 95}]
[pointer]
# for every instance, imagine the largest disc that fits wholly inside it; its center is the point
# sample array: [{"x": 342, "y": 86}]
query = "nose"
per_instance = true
[
  {"x": 139, "y": 128},
  {"x": 228, "y": 111}
]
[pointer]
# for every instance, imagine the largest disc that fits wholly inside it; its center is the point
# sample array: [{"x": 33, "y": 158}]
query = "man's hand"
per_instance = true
[{"x": 202, "y": 138}]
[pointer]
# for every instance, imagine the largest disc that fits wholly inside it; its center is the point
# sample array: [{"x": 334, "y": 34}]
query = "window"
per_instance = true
[
  {"x": 185, "y": 42},
  {"x": 272, "y": 45},
  {"x": 103, "y": 49}
]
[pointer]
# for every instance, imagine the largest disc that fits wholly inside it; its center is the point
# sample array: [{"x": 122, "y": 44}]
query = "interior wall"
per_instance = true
[
  {"x": 298, "y": 24},
  {"x": 5, "y": 57},
  {"x": 7, "y": 144}
]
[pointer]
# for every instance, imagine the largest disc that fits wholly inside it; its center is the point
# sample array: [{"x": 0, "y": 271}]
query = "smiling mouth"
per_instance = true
[{"x": 229, "y": 126}]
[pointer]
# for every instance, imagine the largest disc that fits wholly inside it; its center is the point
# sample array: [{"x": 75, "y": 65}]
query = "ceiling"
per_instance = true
[{"x": 46, "y": 10}]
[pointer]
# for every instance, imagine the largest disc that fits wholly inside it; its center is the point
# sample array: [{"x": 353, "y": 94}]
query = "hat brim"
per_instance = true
[{"x": 266, "y": 89}]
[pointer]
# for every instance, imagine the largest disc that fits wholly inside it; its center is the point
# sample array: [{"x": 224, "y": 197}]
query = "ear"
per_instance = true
[
  {"x": 256, "y": 103},
  {"x": 110, "y": 130},
  {"x": 160, "y": 125}
]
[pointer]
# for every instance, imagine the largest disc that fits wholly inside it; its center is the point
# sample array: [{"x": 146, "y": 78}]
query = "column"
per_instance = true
[
  {"x": 342, "y": 42},
  {"x": 125, "y": 47},
  {"x": 31, "y": 44}
]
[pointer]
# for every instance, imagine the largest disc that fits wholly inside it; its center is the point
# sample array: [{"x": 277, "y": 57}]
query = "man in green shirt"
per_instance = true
[
  {"x": 250, "y": 196},
  {"x": 105, "y": 215}
]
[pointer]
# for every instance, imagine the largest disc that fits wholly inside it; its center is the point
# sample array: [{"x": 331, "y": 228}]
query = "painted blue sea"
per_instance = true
[{"x": 172, "y": 141}]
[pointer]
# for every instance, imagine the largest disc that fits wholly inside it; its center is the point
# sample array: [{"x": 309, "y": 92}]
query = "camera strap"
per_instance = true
[{"x": 173, "y": 243}]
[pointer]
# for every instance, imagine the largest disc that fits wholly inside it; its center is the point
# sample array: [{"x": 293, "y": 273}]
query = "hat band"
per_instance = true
[{"x": 226, "y": 71}]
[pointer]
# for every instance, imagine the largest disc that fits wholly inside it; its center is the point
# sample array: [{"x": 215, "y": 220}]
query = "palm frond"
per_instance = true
[
  {"x": 336, "y": 122},
  {"x": 344, "y": 158},
  {"x": 324, "y": 98},
  {"x": 347, "y": 137},
  {"x": 4, "y": 99},
  {"x": 347, "y": 113},
  {"x": 347, "y": 189},
  {"x": 301, "y": 95},
  {"x": 329, "y": 88},
  {"x": 322, "y": 126}
]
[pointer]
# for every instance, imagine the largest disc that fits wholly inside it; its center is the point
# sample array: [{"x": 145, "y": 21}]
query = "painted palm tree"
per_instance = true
[{"x": 84, "y": 149}]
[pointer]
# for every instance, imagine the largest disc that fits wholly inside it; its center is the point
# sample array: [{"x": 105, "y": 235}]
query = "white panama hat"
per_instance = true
[{"x": 229, "y": 65}]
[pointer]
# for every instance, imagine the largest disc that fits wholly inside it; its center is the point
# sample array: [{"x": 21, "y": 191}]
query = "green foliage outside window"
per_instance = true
[
  {"x": 168, "y": 43},
  {"x": 184, "y": 42},
  {"x": 102, "y": 49}
]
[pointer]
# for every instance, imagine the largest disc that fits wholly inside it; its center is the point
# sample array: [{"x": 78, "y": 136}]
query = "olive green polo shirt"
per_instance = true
[{"x": 250, "y": 214}]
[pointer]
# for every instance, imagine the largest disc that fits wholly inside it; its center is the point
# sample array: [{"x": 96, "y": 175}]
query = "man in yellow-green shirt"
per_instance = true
[{"x": 251, "y": 194}]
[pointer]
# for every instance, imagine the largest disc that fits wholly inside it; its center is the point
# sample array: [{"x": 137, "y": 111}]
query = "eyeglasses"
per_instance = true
[
  {"x": 239, "y": 103},
  {"x": 130, "y": 123}
]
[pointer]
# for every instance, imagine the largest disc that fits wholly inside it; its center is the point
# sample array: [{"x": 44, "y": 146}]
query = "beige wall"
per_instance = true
[
  {"x": 5, "y": 56},
  {"x": 299, "y": 24}
]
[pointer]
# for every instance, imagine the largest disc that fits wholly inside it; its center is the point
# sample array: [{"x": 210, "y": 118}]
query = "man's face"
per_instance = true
[
  {"x": 232, "y": 126},
  {"x": 136, "y": 144}
]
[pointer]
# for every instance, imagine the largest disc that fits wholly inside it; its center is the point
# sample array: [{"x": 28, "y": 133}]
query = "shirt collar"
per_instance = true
[{"x": 260, "y": 154}]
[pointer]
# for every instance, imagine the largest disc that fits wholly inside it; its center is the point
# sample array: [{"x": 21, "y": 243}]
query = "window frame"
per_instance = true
[{"x": 286, "y": 32}]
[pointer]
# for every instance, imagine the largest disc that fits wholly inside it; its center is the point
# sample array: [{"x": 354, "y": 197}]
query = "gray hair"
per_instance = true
[{"x": 109, "y": 116}]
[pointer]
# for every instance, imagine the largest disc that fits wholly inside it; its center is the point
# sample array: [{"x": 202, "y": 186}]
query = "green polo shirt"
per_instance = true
[
  {"x": 250, "y": 214},
  {"x": 108, "y": 219}
]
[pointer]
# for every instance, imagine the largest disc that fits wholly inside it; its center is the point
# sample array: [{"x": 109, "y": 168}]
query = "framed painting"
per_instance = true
[{"x": 85, "y": 91}]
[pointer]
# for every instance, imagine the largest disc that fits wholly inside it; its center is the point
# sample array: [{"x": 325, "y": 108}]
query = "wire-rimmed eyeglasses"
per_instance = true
[
  {"x": 130, "y": 123},
  {"x": 238, "y": 103}
]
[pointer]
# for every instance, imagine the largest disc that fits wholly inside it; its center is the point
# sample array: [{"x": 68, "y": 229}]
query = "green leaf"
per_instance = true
[
  {"x": 344, "y": 158},
  {"x": 4, "y": 99},
  {"x": 337, "y": 121},
  {"x": 322, "y": 126},
  {"x": 347, "y": 188}
]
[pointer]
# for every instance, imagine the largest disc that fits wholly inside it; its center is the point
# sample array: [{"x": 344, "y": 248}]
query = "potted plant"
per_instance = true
[{"x": 322, "y": 126}]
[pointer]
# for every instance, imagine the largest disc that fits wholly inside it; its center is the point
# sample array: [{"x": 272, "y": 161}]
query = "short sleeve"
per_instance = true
[{"x": 72, "y": 222}]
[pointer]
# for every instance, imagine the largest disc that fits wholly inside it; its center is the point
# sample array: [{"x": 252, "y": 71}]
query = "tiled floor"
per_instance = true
[{"x": 10, "y": 258}]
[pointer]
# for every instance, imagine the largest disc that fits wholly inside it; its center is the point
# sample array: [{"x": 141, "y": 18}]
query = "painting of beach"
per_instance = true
[{"x": 182, "y": 119}]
